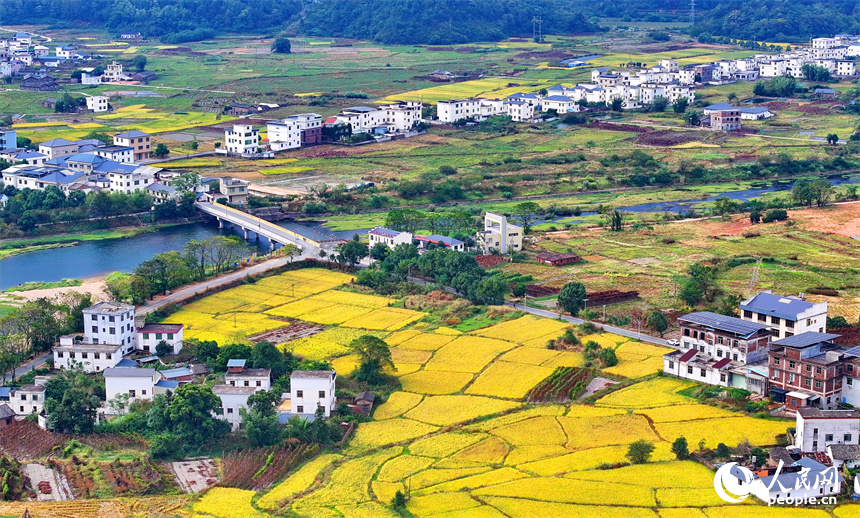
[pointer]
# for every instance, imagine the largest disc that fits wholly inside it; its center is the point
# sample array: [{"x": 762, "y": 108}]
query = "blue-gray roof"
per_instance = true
[
  {"x": 721, "y": 106},
  {"x": 757, "y": 109},
  {"x": 128, "y": 372},
  {"x": 86, "y": 158},
  {"x": 520, "y": 94},
  {"x": 806, "y": 339},
  {"x": 175, "y": 373},
  {"x": 790, "y": 480},
  {"x": 724, "y": 323},
  {"x": 515, "y": 102},
  {"x": 236, "y": 363},
  {"x": 160, "y": 187},
  {"x": 386, "y": 232},
  {"x": 29, "y": 154},
  {"x": 364, "y": 109},
  {"x": 783, "y": 307},
  {"x": 126, "y": 363},
  {"x": 445, "y": 240},
  {"x": 825, "y": 91},
  {"x": 854, "y": 351},
  {"x": 5, "y": 392},
  {"x": 168, "y": 384},
  {"x": 560, "y": 98},
  {"x": 55, "y": 142},
  {"x": 133, "y": 134}
]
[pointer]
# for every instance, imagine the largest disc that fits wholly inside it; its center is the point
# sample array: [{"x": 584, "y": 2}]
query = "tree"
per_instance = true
[
  {"x": 821, "y": 191},
  {"x": 232, "y": 352},
  {"x": 615, "y": 219},
  {"x": 680, "y": 449},
  {"x": 832, "y": 139},
  {"x": 353, "y": 251},
  {"x": 572, "y": 297},
  {"x": 71, "y": 401},
  {"x": 206, "y": 350},
  {"x": 775, "y": 215},
  {"x": 724, "y": 205},
  {"x": 163, "y": 349},
  {"x": 837, "y": 322},
  {"x": 379, "y": 252},
  {"x": 189, "y": 414},
  {"x": 139, "y": 62},
  {"x": 519, "y": 289},
  {"x": 374, "y": 356},
  {"x": 722, "y": 451},
  {"x": 281, "y": 45},
  {"x": 161, "y": 150},
  {"x": 617, "y": 103},
  {"x": 657, "y": 321},
  {"x": 187, "y": 182},
  {"x": 659, "y": 104},
  {"x": 526, "y": 212},
  {"x": 700, "y": 285},
  {"x": 404, "y": 220},
  {"x": 692, "y": 117},
  {"x": 758, "y": 456},
  {"x": 680, "y": 106},
  {"x": 640, "y": 451},
  {"x": 195, "y": 145},
  {"x": 261, "y": 420},
  {"x": 755, "y": 216},
  {"x": 265, "y": 355}
]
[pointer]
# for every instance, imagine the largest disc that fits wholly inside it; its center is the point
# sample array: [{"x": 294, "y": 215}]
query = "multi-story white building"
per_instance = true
[
  {"x": 238, "y": 375},
  {"x": 29, "y": 399},
  {"x": 64, "y": 51},
  {"x": 816, "y": 429},
  {"x": 58, "y": 147},
  {"x": 110, "y": 323},
  {"x": 285, "y": 134},
  {"x": 121, "y": 154},
  {"x": 233, "y": 399},
  {"x": 97, "y": 103},
  {"x": 242, "y": 139},
  {"x": 137, "y": 140},
  {"x": 130, "y": 179},
  {"x": 75, "y": 352},
  {"x": 113, "y": 72},
  {"x": 392, "y": 118},
  {"x": 786, "y": 316},
  {"x": 388, "y": 237},
  {"x": 235, "y": 190},
  {"x": 720, "y": 336},
  {"x": 560, "y": 104},
  {"x": 499, "y": 235},
  {"x": 150, "y": 335},
  {"x": 312, "y": 389},
  {"x": 520, "y": 111},
  {"x": 139, "y": 384}
]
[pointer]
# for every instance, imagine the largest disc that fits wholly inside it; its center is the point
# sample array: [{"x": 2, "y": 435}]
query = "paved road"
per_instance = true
[
  {"x": 573, "y": 320},
  {"x": 35, "y": 363},
  {"x": 212, "y": 283}
]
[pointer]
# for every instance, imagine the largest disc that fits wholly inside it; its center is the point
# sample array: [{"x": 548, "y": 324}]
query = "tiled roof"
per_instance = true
[{"x": 128, "y": 373}]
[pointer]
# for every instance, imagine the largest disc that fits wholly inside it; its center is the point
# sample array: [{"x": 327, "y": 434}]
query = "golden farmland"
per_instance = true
[{"x": 459, "y": 438}]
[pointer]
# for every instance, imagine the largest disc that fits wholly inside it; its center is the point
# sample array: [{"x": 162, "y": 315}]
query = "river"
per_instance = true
[{"x": 95, "y": 258}]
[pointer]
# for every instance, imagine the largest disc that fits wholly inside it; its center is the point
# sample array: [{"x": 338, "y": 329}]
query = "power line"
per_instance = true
[
  {"x": 537, "y": 29},
  {"x": 692, "y": 12}
]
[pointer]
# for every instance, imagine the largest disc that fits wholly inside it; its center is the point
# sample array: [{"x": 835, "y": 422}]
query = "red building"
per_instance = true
[
  {"x": 557, "y": 259},
  {"x": 806, "y": 370}
]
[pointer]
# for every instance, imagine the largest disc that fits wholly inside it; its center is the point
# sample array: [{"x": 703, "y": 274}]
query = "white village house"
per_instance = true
[
  {"x": 816, "y": 429},
  {"x": 309, "y": 390},
  {"x": 787, "y": 316},
  {"x": 238, "y": 375},
  {"x": 388, "y": 237},
  {"x": 150, "y": 335}
]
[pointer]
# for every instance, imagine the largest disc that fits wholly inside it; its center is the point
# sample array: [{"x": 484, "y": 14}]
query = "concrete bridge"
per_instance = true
[{"x": 228, "y": 216}]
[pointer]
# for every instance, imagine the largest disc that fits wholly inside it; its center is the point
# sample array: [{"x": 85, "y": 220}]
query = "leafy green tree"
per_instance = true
[
  {"x": 755, "y": 216},
  {"x": 374, "y": 356},
  {"x": 519, "y": 289},
  {"x": 526, "y": 213},
  {"x": 161, "y": 150},
  {"x": 724, "y": 205},
  {"x": 261, "y": 420},
  {"x": 680, "y": 449},
  {"x": 680, "y": 106},
  {"x": 822, "y": 192},
  {"x": 657, "y": 321},
  {"x": 189, "y": 413},
  {"x": 616, "y": 104},
  {"x": 775, "y": 215},
  {"x": 353, "y": 251},
  {"x": 379, "y": 252},
  {"x": 837, "y": 322},
  {"x": 71, "y": 400},
  {"x": 404, "y": 220},
  {"x": 607, "y": 357},
  {"x": 615, "y": 218},
  {"x": 759, "y": 455},
  {"x": 700, "y": 285},
  {"x": 572, "y": 297},
  {"x": 265, "y": 355},
  {"x": 139, "y": 62},
  {"x": 659, "y": 104},
  {"x": 13, "y": 482},
  {"x": 832, "y": 139},
  {"x": 281, "y": 45},
  {"x": 640, "y": 451},
  {"x": 163, "y": 349},
  {"x": 722, "y": 451},
  {"x": 187, "y": 182}
]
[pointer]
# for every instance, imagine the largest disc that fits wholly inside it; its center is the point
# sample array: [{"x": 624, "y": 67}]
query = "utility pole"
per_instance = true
[
  {"x": 537, "y": 29},
  {"x": 692, "y": 12}
]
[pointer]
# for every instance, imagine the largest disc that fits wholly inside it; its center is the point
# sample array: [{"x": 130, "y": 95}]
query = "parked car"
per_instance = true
[{"x": 674, "y": 342}]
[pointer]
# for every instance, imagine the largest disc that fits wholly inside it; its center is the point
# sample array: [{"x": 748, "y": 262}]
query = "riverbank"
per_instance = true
[
  {"x": 95, "y": 286},
  {"x": 11, "y": 247}
]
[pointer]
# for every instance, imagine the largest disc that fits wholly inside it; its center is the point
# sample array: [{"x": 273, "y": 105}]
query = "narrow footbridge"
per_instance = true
[{"x": 228, "y": 216}]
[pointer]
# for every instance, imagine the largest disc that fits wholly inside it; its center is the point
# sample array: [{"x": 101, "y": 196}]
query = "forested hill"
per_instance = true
[
  {"x": 154, "y": 18},
  {"x": 435, "y": 21},
  {"x": 440, "y": 21}
]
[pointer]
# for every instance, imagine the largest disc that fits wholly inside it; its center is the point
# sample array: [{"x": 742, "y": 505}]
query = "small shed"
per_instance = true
[
  {"x": 558, "y": 259},
  {"x": 7, "y": 416},
  {"x": 364, "y": 401},
  {"x": 825, "y": 93}
]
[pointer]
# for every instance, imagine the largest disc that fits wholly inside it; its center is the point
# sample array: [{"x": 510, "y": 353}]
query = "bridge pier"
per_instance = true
[
  {"x": 220, "y": 223},
  {"x": 272, "y": 245},
  {"x": 246, "y": 233}
]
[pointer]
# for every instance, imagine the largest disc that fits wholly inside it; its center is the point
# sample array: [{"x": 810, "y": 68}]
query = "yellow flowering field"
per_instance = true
[
  {"x": 489, "y": 451},
  {"x": 350, "y": 481},
  {"x": 400, "y": 355},
  {"x": 602, "y": 339},
  {"x": 521, "y": 508},
  {"x": 594, "y": 432},
  {"x": 365, "y": 509},
  {"x": 531, "y": 453},
  {"x": 592, "y": 411},
  {"x": 508, "y": 380},
  {"x": 572, "y": 491},
  {"x": 636, "y": 360},
  {"x": 398, "y": 404},
  {"x": 516, "y": 417},
  {"x": 448, "y": 331},
  {"x": 345, "y": 364},
  {"x": 424, "y": 341},
  {"x": 425, "y": 505},
  {"x": 731, "y": 430},
  {"x": 399, "y": 337},
  {"x": 435, "y": 383},
  {"x": 467, "y": 354},
  {"x": 399, "y": 468},
  {"x": 487, "y": 478},
  {"x": 433, "y": 476},
  {"x": 565, "y": 359},
  {"x": 684, "y": 413},
  {"x": 445, "y": 444},
  {"x": 380, "y": 433},
  {"x": 448, "y": 410},
  {"x": 657, "y": 392},
  {"x": 225, "y": 502},
  {"x": 654, "y": 474},
  {"x": 391, "y": 319},
  {"x": 524, "y": 329},
  {"x": 537, "y": 431},
  {"x": 529, "y": 355},
  {"x": 297, "y": 482},
  {"x": 330, "y": 343},
  {"x": 334, "y": 314}
]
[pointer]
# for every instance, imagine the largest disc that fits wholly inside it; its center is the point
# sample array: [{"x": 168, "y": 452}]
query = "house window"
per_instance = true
[
  {"x": 23, "y": 397},
  {"x": 94, "y": 318},
  {"x": 789, "y": 324},
  {"x": 60, "y": 355},
  {"x": 671, "y": 365},
  {"x": 791, "y": 364},
  {"x": 97, "y": 356},
  {"x": 146, "y": 336},
  {"x": 322, "y": 393},
  {"x": 83, "y": 356},
  {"x": 158, "y": 336},
  {"x": 95, "y": 329},
  {"x": 722, "y": 377},
  {"x": 849, "y": 368},
  {"x": 703, "y": 372},
  {"x": 132, "y": 393},
  {"x": 774, "y": 320},
  {"x": 774, "y": 333},
  {"x": 809, "y": 368},
  {"x": 113, "y": 330},
  {"x": 259, "y": 383},
  {"x": 791, "y": 378},
  {"x": 170, "y": 336},
  {"x": 689, "y": 370},
  {"x": 828, "y": 437},
  {"x": 818, "y": 370},
  {"x": 762, "y": 317},
  {"x": 720, "y": 340},
  {"x": 686, "y": 332},
  {"x": 850, "y": 381},
  {"x": 719, "y": 353},
  {"x": 143, "y": 392},
  {"x": 846, "y": 437},
  {"x": 817, "y": 384},
  {"x": 807, "y": 381},
  {"x": 300, "y": 409},
  {"x": 233, "y": 383},
  {"x": 111, "y": 319},
  {"x": 229, "y": 410},
  {"x": 219, "y": 411},
  {"x": 300, "y": 393},
  {"x": 247, "y": 383},
  {"x": 776, "y": 361}
]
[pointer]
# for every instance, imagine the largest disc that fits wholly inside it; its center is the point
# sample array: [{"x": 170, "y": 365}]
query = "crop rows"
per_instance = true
[
  {"x": 562, "y": 385},
  {"x": 257, "y": 468}
]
